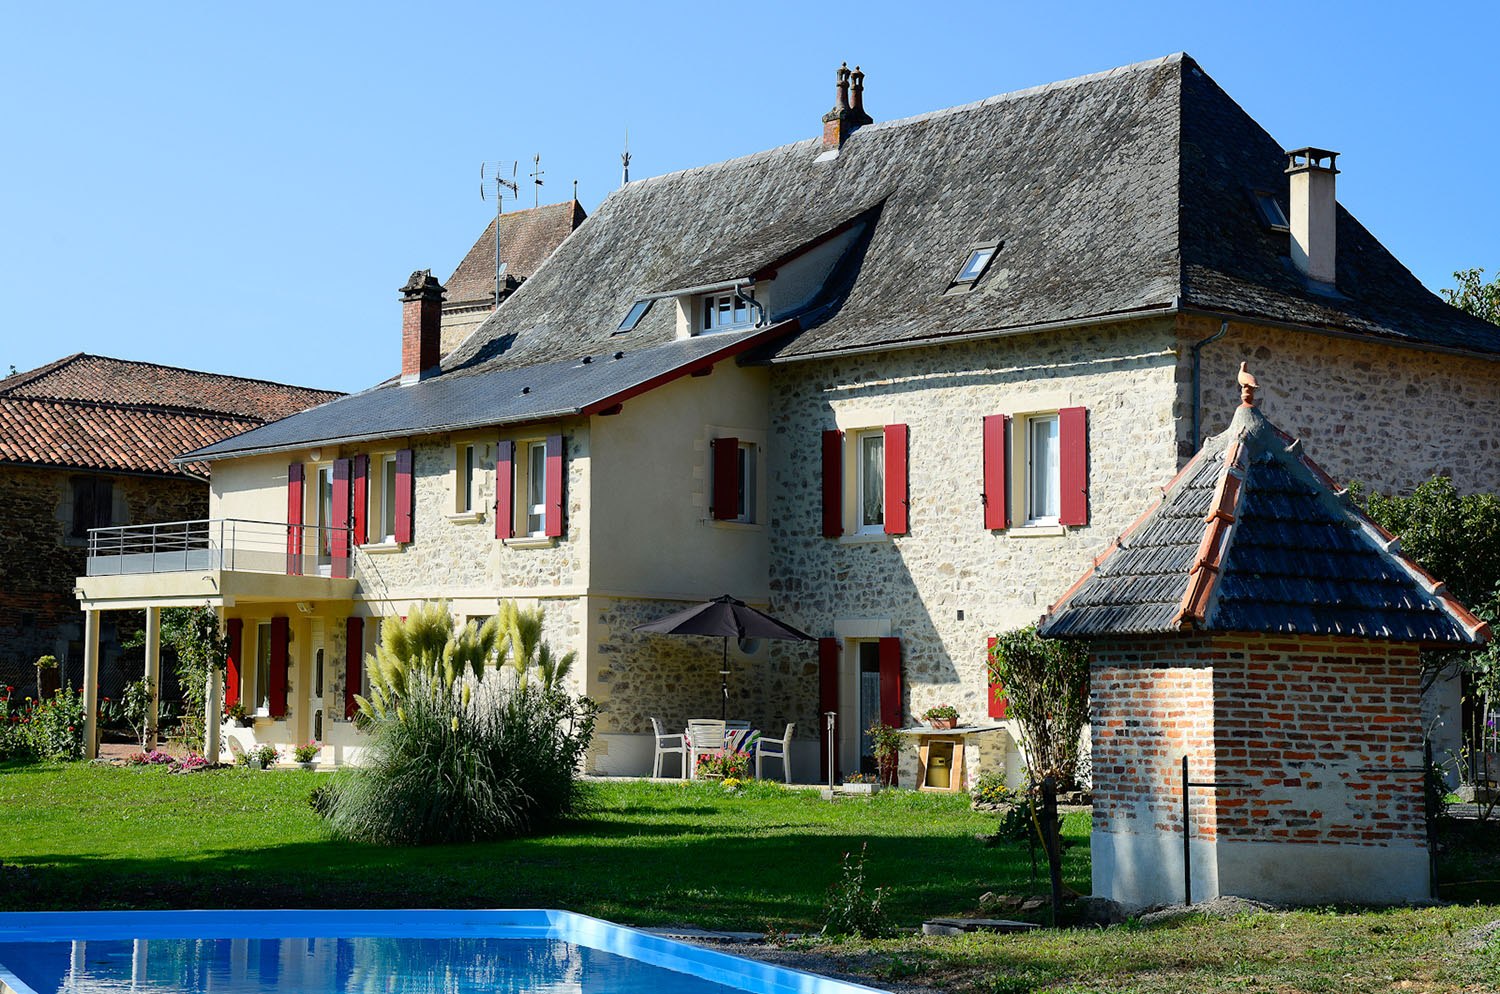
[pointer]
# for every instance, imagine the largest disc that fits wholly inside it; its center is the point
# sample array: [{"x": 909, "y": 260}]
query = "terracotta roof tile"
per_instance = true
[{"x": 527, "y": 237}]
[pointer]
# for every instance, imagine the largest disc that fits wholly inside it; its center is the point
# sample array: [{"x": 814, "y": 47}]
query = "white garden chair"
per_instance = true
[
  {"x": 668, "y": 745},
  {"x": 703, "y": 736},
  {"x": 775, "y": 749}
]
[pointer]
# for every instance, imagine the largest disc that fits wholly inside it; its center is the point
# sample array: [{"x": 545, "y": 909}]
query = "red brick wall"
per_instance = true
[
  {"x": 1298, "y": 719},
  {"x": 1151, "y": 702}
]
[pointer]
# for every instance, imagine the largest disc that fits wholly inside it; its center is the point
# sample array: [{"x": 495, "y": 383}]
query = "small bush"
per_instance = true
[
  {"x": 306, "y": 753},
  {"x": 56, "y": 726},
  {"x": 727, "y": 763},
  {"x": 266, "y": 754},
  {"x": 852, "y": 908},
  {"x": 991, "y": 788}
]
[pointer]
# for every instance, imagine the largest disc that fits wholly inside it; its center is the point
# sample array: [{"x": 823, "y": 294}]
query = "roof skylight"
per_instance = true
[
  {"x": 633, "y": 316},
  {"x": 1271, "y": 212},
  {"x": 975, "y": 264}
]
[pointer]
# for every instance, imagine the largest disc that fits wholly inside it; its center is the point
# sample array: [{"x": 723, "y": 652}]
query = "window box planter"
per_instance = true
[{"x": 943, "y": 724}]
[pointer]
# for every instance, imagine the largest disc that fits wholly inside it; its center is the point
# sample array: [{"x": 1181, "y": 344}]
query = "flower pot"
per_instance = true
[
  {"x": 942, "y": 724},
  {"x": 859, "y": 788},
  {"x": 245, "y": 722},
  {"x": 307, "y": 765},
  {"x": 48, "y": 682}
]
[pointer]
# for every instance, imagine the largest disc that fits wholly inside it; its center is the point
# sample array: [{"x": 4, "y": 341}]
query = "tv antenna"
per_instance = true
[
  {"x": 502, "y": 186},
  {"x": 625, "y": 160},
  {"x": 537, "y": 172}
]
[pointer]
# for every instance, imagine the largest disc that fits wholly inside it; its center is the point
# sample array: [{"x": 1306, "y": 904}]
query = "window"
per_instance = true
[
  {"x": 535, "y": 505},
  {"x": 975, "y": 264},
  {"x": 723, "y": 311},
  {"x": 870, "y": 482},
  {"x": 1043, "y": 473},
  {"x": 747, "y": 482},
  {"x": 263, "y": 668},
  {"x": 466, "y": 466},
  {"x": 386, "y": 519},
  {"x": 633, "y": 316},
  {"x": 1271, "y": 212},
  {"x": 733, "y": 498},
  {"x": 93, "y": 504},
  {"x": 325, "y": 515}
]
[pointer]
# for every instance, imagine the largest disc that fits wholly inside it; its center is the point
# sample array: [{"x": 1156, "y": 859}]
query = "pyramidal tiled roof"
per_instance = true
[{"x": 1252, "y": 536}]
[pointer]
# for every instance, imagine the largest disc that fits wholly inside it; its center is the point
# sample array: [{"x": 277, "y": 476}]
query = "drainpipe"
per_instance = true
[
  {"x": 1197, "y": 364},
  {"x": 749, "y": 298}
]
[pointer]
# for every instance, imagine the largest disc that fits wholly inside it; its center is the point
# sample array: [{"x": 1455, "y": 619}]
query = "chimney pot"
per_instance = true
[
  {"x": 1314, "y": 215},
  {"x": 421, "y": 326},
  {"x": 844, "y": 120}
]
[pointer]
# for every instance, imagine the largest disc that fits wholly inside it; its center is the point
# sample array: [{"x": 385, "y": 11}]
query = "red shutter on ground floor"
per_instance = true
[
  {"x": 281, "y": 643},
  {"x": 725, "y": 501},
  {"x": 406, "y": 495},
  {"x": 235, "y": 630},
  {"x": 890, "y": 681},
  {"x": 1073, "y": 458},
  {"x": 996, "y": 485},
  {"x": 897, "y": 491},
  {"x": 354, "y": 661},
  {"x": 833, "y": 483},
  {"x": 829, "y": 653},
  {"x": 338, "y": 528},
  {"x": 998, "y": 702},
  {"x": 294, "y": 477},
  {"x": 359, "y": 499},
  {"x": 555, "y": 496},
  {"x": 505, "y": 489}
]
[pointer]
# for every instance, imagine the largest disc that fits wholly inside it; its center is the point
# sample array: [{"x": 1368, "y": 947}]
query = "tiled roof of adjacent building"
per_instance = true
[
  {"x": 527, "y": 237},
  {"x": 94, "y": 412},
  {"x": 1253, "y": 537}
]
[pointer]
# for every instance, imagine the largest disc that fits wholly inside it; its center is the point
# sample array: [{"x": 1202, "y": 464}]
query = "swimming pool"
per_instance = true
[{"x": 369, "y": 952}]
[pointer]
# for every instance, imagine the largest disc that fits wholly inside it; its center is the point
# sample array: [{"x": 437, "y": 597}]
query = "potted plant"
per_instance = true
[
  {"x": 305, "y": 754},
  {"x": 942, "y": 716},
  {"x": 48, "y": 678},
  {"x": 885, "y": 743},
  {"x": 263, "y": 757},
  {"x": 860, "y": 783},
  {"x": 239, "y": 714}
]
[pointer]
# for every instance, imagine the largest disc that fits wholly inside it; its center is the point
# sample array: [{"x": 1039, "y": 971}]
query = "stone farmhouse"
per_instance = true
[
  {"x": 898, "y": 383},
  {"x": 88, "y": 442}
]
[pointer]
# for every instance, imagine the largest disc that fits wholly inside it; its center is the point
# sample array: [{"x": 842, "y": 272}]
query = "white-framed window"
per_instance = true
[
  {"x": 263, "y": 668},
  {"x": 725, "y": 311},
  {"x": 869, "y": 479},
  {"x": 383, "y": 498},
  {"x": 466, "y": 495},
  {"x": 1043, "y": 470},
  {"x": 323, "y": 516},
  {"x": 532, "y": 488},
  {"x": 747, "y": 483}
]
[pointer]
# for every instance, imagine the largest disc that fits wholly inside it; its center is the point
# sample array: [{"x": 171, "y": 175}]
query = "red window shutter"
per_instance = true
[
  {"x": 998, "y": 702},
  {"x": 996, "y": 480},
  {"x": 406, "y": 495},
  {"x": 833, "y": 483},
  {"x": 505, "y": 489},
  {"x": 555, "y": 495},
  {"x": 1073, "y": 457},
  {"x": 339, "y": 527},
  {"x": 281, "y": 641},
  {"x": 359, "y": 497},
  {"x": 897, "y": 492},
  {"x": 829, "y": 651},
  {"x": 294, "y": 477},
  {"x": 232, "y": 679},
  {"x": 890, "y": 680},
  {"x": 354, "y": 661},
  {"x": 726, "y": 470}
]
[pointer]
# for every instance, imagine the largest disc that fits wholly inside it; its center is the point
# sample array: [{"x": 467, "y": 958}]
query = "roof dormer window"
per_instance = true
[
  {"x": 975, "y": 264},
  {"x": 633, "y": 316},
  {"x": 725, "y": 312}
]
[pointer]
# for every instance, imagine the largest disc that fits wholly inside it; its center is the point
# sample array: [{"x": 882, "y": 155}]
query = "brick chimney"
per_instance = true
[
  {"x": 421, "y": 326},
  {"x": 844, "y": 119},
  {"x": 1314, "y": 218}
]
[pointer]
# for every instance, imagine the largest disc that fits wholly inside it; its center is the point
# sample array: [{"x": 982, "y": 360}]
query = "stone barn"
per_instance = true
[{"x": 1256, "y": 623}]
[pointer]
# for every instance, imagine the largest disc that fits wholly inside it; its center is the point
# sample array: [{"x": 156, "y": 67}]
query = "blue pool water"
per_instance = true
[{"x": 369, "y": 952}]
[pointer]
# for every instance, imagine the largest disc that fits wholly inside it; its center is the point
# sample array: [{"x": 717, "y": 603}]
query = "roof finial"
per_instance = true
[{"x": 1248, "y": 385}]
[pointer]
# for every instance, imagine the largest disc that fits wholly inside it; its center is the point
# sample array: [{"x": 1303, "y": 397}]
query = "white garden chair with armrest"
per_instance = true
[
  {"x": 702, "y": 736},
  {"x": 775, "y": 749},
  {"x": 668, "y": 745}
]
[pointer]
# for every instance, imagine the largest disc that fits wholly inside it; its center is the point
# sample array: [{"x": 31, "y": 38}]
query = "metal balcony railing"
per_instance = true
[{"x": 221, "y": 544}]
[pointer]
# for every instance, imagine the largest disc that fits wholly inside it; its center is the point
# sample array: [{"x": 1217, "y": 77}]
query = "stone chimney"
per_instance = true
[
  {"x": 421, "y": 326},
  {"x": 844, "y": 120},
  {"x": 1314, "y": 218}
]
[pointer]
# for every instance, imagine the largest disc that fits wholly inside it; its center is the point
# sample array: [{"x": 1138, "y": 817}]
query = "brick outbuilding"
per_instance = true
[{"x": 1255, "y": 622}]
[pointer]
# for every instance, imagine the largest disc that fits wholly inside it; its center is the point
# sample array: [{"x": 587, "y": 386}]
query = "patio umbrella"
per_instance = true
[{"x": 726, "y": 618}]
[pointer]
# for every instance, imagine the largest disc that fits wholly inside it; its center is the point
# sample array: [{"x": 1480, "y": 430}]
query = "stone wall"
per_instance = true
[{"x": 951, "y": 583}]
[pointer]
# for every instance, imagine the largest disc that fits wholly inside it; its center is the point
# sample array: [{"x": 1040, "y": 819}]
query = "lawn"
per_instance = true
[{"x": 78, "y": 836}]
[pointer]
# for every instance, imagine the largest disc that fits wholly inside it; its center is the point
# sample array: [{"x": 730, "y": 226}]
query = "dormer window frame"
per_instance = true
[
  {"x": 713, "y": 308},
  {"x": 976, "y": 262}
]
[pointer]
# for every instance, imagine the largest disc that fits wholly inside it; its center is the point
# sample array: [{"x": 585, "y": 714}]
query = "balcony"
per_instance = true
[{"x": 215, "y": 561}]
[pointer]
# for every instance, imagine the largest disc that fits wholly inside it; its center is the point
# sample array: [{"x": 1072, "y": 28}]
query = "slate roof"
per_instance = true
[
  {"x": 541, "y": 392},
  {"x": 93, "y": 412},
  {"x": 1119, "y": 193},
  {"x": 527, "y": 237},
  {"x": 1253, "y": 537}
]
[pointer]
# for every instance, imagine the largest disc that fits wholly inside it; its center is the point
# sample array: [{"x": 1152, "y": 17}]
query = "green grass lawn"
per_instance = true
[{"x": 106, "y": 837}]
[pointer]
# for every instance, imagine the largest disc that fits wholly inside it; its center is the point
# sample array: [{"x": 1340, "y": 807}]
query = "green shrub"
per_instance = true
[
  {"x": 852, "y": 908},
  {"x": 991, "y": 788},
  {"x": 15, "y": 727}
]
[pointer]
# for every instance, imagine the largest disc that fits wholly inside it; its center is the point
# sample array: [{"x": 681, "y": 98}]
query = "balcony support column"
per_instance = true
[
  {"x": 213, "y": 706},
  {"x": 153, "y": 673},
  {"x": 91, "y": 684}
]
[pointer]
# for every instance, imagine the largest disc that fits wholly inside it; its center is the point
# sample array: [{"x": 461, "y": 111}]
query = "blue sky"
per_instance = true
[{"x": 243, "y": 188}]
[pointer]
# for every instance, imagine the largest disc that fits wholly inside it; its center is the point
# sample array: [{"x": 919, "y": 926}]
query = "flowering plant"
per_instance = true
[
  {"x": 153, "y": 758},
  {"x": 942, "y": 712},
  {"x": 307, "y": 753},
  {"x": 188, "y": 764},
  {"x": 732, "y": 784},
  {"x": 726, "y": 763},
  {"x": 859, "y": 778}
]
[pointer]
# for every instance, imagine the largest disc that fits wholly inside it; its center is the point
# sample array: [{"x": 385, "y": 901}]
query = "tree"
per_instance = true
[{"x": 1474, "y": 295}]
